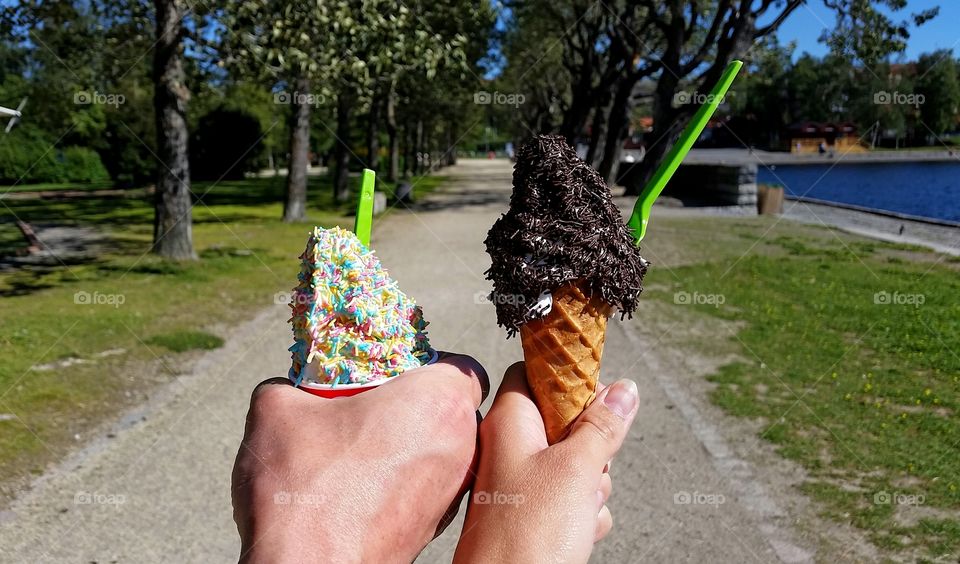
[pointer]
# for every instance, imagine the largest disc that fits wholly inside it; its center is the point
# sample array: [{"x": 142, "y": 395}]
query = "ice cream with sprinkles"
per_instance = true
[{"x": 351, "y": 323}]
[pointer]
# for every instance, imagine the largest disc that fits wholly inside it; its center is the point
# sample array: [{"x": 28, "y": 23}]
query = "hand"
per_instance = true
[
  {"x": 537, "y": 503},
  {"x": 372, "y": 477}
]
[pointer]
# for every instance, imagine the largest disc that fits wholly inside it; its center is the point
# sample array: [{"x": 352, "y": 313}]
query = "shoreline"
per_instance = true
[
  {"x": 739, "y": 157},
  {"x": 939, "y": 237},
  {"x": 876, "y": 211}
]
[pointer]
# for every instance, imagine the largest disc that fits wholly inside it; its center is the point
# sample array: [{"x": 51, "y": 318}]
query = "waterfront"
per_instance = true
[{"x": 924, "y": 189}]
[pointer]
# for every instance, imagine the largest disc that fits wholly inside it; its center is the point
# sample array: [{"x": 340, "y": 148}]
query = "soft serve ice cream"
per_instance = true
[{"x": 351, "y": 323}]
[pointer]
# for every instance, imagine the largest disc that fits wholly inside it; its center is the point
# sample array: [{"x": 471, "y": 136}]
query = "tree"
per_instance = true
[
  {"x": 356, "y": 51},
  {"x": 172, "y": 228},
  {"x": 686, "y": 44},
  {"x": 938, "y": 92},
  {"x": 763, "y": 92}
]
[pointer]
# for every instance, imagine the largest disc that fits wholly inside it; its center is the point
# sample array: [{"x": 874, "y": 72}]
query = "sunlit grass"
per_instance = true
[
  {"x": 79, "y": 342},
  {"x": 852, "y": 366}
]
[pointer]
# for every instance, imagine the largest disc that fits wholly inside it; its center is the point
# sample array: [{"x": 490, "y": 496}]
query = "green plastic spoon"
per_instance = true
[
  {"x": 364, "y": 221},
  {"x": 641, "y": 210}
]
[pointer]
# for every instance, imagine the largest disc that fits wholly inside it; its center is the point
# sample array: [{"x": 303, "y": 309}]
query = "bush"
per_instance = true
[
  {"x": 83, "y": 165},
  {"x": 28, "y": 157}
]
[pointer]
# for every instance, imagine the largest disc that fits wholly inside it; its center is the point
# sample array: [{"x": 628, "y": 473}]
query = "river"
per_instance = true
[{"x": 926, "y": 189}]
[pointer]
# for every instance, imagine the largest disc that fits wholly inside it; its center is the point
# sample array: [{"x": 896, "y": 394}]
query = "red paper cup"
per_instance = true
[{"x": 347, "y": 390}]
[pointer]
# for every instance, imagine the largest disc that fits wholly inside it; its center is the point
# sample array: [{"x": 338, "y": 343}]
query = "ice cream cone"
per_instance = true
[{"x": 562, "y": 353}]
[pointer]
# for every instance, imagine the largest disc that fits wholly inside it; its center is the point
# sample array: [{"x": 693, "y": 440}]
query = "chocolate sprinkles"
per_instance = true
[{"x": 562, "y": 226}]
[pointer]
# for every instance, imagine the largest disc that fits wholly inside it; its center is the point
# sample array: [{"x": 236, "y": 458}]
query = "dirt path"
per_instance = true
[{"x": 158, "y": 490}]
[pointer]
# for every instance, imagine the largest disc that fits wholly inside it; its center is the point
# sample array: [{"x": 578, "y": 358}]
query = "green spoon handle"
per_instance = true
[
  {"x": 641, "y": 210},
  {"x": 364, "y": 220}
]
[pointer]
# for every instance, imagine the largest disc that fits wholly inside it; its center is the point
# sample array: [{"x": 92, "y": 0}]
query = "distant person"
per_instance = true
[
  {"x": 508, "y": 148},
  {"x": 822, "y": 148}
]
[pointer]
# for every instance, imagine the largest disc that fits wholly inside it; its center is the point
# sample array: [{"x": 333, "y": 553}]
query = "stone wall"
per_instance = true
[{"x": 714, "y": 185}]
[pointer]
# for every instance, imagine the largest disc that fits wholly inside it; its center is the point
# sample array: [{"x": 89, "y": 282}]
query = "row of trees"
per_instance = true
[
  {"x": 585, "y": 67},
  {"x": 140, "y": 82},
  {"x": 914, "y": 102}
]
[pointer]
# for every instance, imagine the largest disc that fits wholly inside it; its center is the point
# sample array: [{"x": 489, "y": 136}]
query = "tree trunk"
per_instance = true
[
  {"x": 419, "y": 156},
  {"x": 341, "y": 152},
  {"x": 410, "y": 150},
  {"x": 394, "y": 171},
  {"x": 295, "y": 206},
  {"x": 373, "y": 135},
  {"x": 617, "y": 130},
  {"x": 450, "y": 157},
  {"x": 576, "y": 115},
  {"x": 172, "y": 226},
  {"x": 662, "y": 139},
  {"x": 598, "y": 132},
  {"x": 667, "y": 124}
]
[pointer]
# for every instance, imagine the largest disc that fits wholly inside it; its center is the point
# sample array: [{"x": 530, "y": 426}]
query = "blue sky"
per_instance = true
[{"x": 943, "y": 32}]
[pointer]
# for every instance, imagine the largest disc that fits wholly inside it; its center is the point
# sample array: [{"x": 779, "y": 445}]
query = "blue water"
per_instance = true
[{"x": 929, "y": 189}]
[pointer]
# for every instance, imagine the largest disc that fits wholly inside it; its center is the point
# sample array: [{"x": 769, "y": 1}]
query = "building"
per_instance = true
[{"x": 814, "y": 137}]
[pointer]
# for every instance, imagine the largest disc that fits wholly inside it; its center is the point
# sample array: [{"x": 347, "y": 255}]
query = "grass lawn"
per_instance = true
[
  {"x": 77, "y": 342},
  {"x": 851, "y": 365},
  {"x": 48, "y": 186}
]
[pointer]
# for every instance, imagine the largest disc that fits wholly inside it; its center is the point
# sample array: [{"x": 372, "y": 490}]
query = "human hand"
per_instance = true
[
  {"x": 371, "y": 477},
  {"x": 537, "y": 503}
]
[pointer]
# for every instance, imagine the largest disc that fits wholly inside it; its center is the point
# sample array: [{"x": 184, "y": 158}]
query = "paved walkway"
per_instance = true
[{"x": 158, "y": 491}]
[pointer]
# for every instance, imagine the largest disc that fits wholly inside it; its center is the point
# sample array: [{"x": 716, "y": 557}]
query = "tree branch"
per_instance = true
[{"x": 772, "y": 27}]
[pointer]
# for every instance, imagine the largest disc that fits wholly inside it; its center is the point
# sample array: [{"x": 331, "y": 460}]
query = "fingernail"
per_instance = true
[{"x": 622, "y": 398}]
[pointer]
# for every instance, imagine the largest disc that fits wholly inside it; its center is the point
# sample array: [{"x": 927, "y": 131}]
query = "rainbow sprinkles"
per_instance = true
[{"x": 351, "y": 323}]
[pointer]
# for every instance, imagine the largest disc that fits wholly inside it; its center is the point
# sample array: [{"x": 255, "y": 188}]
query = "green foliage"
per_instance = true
[
  {"x": 27, "y": 156},
  {"x": 866, "y": 30},
  {"x": 938, "y": 84},
  {"x": 358, "y": 41},
  {"x": 81, "y": 164}
]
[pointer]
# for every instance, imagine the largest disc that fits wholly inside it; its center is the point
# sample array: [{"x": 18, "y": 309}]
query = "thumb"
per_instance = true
[{"x": 600, "y": 430}]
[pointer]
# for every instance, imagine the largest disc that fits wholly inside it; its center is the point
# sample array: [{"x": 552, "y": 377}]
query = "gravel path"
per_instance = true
[{"x": 158, "y": 491}]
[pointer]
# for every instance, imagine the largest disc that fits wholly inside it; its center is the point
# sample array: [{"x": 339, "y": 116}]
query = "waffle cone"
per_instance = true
[{"x": 562, "y": 353}]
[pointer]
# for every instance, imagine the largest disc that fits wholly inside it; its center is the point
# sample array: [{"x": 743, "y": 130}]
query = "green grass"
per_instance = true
[
  {"x": 48, "y": 186},
  {"x": 851, "y": 364},
  {"x": 182, "y": 341},
  {"x": 132, "y": 302}
]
